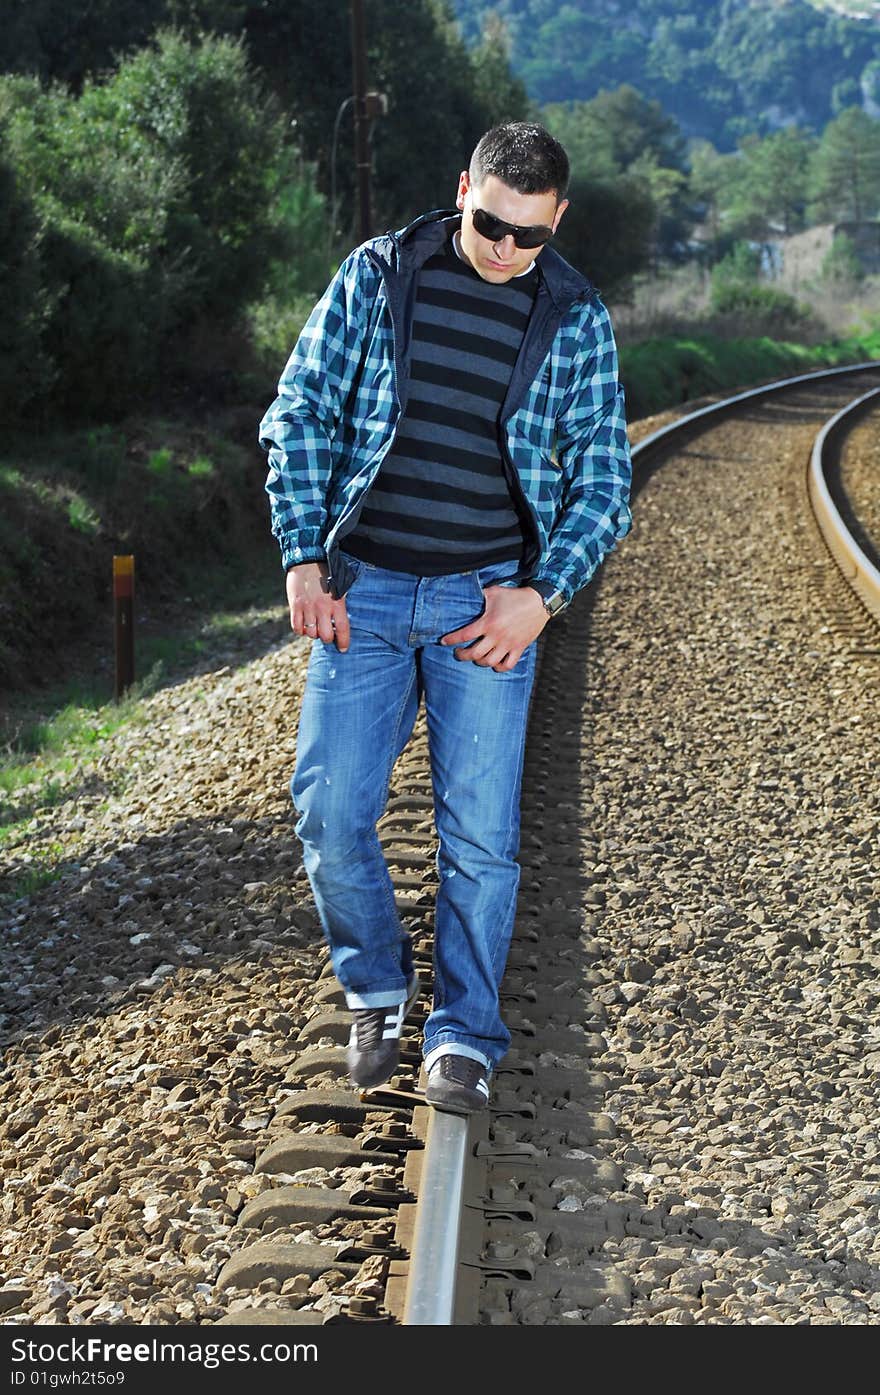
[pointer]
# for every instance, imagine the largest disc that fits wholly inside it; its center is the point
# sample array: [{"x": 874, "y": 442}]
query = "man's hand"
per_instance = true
[
  {"x": 313, "y": 611},
  {"x": 513, "y": 617}
]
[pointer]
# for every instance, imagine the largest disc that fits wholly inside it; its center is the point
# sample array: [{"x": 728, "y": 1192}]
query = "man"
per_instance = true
[{"x": 448, "y": 466}]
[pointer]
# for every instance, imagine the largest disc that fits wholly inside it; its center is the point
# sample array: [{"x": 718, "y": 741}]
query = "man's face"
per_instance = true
[{"x": 499, "y": 261}]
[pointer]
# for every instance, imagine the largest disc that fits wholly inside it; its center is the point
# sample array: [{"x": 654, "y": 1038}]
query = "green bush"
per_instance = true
[
  {"x": 841, "y": 265},
  {"x": 134, "y": 213},
  {"x": 740, "y": 267},
  {"x": 199, "y": 112},
  {"x": 658, "y": 373},
  {"x": 105, "y": 327},
  {"x": 760, "y": 310},
  {"x": 741, "y": 306},
  {"x": 606, "y": 232}
]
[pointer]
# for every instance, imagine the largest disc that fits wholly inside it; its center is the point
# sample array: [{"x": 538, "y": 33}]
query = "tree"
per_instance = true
[
  {"x": 438, "y": 107},
  {"x": 25, "y": 367},
  {"x": 710, "y": 174},
  {"x": 667, "y": 189},
  {"x": 768, "y": 183},
  {"x": 157, "y": 199},
  {"x": 55, "y": 40},
  {"x": 588, "y": 142},
  {"x": 841, "y": 267},
  {"x": 637, "y": 127},
  {"x": 620, "y": 133},
  {"x": 607, "y": 230},
  {"x": 845, "y": 174},
  {"x": 501, "y": 96},
  {"x": 870, "y": 87}
]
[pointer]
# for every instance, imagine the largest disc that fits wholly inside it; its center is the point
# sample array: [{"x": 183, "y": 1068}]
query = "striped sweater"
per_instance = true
[{"x": 440, "y": 502}]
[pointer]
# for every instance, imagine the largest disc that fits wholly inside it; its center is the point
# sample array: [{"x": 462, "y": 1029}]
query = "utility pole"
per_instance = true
[{"x": 361, "y": 127}]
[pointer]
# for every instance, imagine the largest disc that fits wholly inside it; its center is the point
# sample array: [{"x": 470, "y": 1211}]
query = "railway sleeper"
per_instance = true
[
  {"x": 296, "y": 1152},
  {"x": 317, "y": 1205},
  {"x": 331, "y": 1106}
]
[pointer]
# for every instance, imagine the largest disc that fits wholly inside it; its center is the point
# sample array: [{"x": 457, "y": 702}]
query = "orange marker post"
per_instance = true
[{"x": 123, "y": 617}]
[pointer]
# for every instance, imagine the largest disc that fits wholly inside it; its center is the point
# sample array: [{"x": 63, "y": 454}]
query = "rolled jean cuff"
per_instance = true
[
  {"x": 457, "y": 1048},
  {"x": 388, "y": 997}
]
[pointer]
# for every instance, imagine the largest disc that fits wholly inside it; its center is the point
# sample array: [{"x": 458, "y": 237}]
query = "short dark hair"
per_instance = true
[{"x": 523, "y": 155}]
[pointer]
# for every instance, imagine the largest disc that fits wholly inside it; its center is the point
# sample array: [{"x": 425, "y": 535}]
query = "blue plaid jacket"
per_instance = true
[{"x": 343, "y": 391}]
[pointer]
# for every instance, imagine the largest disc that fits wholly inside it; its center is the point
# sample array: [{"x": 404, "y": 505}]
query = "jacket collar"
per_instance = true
[{"x": 406, "y": 250}]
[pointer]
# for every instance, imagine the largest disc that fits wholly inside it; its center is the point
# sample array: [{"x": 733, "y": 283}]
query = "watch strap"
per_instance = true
[{"x": 554, "y": 600}]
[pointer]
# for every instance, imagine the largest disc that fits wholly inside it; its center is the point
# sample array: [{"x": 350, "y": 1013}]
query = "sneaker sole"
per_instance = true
[
  {"x": 457, "y": 1106},
  {"x": 455, "y": 1099}
]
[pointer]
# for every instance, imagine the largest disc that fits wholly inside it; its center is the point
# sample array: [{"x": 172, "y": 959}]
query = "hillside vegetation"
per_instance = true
[
  {"x": 176, "y": 189},
  {"x": 722, "y": 68}
]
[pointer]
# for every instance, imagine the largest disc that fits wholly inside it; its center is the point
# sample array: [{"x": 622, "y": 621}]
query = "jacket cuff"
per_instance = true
[
  {"x": 546, "y": 589},
  {"x": 297, "y": 548}
]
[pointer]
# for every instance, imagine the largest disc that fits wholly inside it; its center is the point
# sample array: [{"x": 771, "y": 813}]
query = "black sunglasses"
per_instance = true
[{"x": 495, "y": 229}]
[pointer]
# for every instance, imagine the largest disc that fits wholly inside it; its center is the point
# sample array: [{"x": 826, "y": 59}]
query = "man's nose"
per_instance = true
[{"x": 505, "y": 249}]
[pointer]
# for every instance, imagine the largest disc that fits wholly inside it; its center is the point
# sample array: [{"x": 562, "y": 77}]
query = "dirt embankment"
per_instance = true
[{"x": 184, "y": 496}]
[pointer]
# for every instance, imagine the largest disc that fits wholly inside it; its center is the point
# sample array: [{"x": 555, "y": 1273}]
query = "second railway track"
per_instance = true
[{"x": 686, "y": 1131}]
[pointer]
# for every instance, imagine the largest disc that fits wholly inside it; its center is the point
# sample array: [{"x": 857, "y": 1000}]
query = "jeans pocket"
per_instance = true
[
  {"x": 496, "y": 574},
  {"x": 356, "y": 566}
]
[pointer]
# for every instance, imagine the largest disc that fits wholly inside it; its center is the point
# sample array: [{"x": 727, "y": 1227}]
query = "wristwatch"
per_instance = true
[{"x": 554, "y": 600}]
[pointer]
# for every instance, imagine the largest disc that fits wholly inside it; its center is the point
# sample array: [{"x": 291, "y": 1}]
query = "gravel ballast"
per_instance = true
[{"x": 730, "y": 832}]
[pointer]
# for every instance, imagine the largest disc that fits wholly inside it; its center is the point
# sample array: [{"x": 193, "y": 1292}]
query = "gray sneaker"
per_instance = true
[
  {"x": 374, "y": 1044},
  {"x": 457, "y": 1084}
]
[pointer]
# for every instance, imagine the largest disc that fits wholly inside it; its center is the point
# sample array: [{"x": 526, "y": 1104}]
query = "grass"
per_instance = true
[
  {"x": 39, "y": 755},
  {"x": 42, "y": 870},
  {"x": 82, "y": 516},
  {"x": 159, "y": 462}
]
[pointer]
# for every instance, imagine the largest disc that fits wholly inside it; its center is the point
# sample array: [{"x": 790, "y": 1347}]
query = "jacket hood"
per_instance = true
[{"x": 407, "y": 249}]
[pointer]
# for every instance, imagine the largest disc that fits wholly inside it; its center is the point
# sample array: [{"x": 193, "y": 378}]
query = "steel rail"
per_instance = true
[
  {"x": 430, "y": 1293},
  {"x": 674, "y": 428},
  {"x": 857, "y": 568},
  {"x": 430, "y": 1288}
]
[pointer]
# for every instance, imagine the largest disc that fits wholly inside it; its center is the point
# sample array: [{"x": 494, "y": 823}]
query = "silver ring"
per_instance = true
[{"x": 310, "y": 625}]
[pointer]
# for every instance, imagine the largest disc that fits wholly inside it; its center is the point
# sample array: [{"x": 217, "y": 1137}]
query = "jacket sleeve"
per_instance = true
[
  {"x": 593, "y": 453},
  {"x": 298, "y": 428}
]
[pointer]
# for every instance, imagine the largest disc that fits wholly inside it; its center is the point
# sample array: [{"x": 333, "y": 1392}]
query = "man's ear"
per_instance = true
[
  {"x": 558, "y": 214},
  {"x": 464, "y": 185}
]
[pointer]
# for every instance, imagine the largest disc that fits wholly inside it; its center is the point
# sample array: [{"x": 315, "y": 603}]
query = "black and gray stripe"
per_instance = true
[{"x": 440, "y": 502}]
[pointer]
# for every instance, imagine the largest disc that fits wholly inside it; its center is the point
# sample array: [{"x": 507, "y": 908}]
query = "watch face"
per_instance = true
[{"x": 555, "y": 603}]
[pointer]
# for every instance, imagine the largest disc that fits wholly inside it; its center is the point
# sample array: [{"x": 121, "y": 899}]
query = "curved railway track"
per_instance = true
[
  {"x": 856, "y": 565},
  {"x": 491, "y": 1219},
  {"x": 566, "y": 1214}
]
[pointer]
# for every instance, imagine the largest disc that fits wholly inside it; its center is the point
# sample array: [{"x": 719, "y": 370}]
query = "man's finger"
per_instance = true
[
  {"x": 464, "y": 635},
  {"x": 342, "y": 630},
  {"x": 481, "y": 652}
]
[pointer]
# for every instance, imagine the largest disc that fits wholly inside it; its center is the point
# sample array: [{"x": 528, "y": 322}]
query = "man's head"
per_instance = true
[{"x": 517, "y": 179}]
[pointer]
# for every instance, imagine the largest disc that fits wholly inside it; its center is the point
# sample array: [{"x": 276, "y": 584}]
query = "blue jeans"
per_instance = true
[{"x": 357, "y": 715}]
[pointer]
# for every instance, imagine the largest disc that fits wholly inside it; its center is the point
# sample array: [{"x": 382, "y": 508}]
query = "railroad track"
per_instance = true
[
  {"x": 506, "y": 1218},
  {"x": 685, "y": 1127},
  {"x": 856, "y": 566}
]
